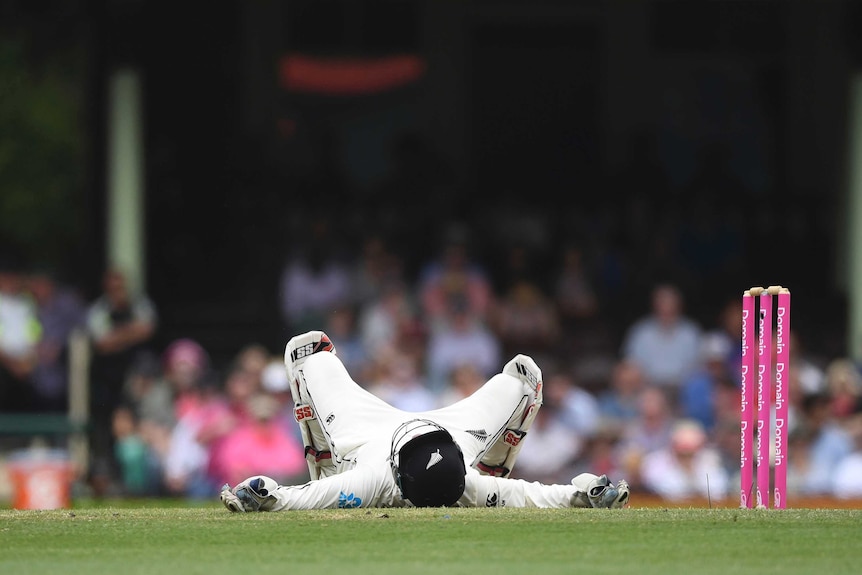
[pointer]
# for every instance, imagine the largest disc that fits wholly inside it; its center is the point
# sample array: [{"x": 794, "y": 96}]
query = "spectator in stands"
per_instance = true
[
  {"x": 820, "y": 445},
  {"x": 375, "y": 267},
  {"x": 274, "y": 382},
  {"x": 196, "y": 463},
  {"x": 805, "y": 379},
  {"x": 60, "y": 310},
  {"x": 847, "y": 478},
  {"x": 187, "y": 458},
  {"x": 120, "y": 322},
  {"x": 391, "y": 319},
  {"x": 341, "y": 326},
  {"x": 148, "y": 398},
  {"x": 460, "y": 337},
  {"x": 524, "y": 320},
  {"x": 463, "y": 381},
  {"x": 576, "y": 300},
  {"x": 806, "y": 371},
  {"x": 400, "y": 384},
  {"x": 185, "y": 363},
  {"x": 161, "y": 392},
  {"x": 665, "y": 343},
  {"x": 799, "y": 442},
  {"x": 313, "y": 281},
  {"x": 620, "y": 402},
  {"x": 601, "y": 453},
  {"x": 260, "y": 444},
  {"x": 844, "y": 384},
  {"x": 688, "y": 467},
  {"x": 576, "y": 408},
  {"x": 454, "y": 274},
  {"x": 698, "y": 394},
  {"x": 649, "y": 432},
  {"x": 20, "y": 333},
  {"x": 146, "y": 393},
  {"x": 140, "y": 468},
  {"x": 225, "y": 415},
  {"x": 253, "y": 359}
]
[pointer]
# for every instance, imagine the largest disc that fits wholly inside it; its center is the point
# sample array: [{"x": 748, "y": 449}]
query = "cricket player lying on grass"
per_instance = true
[{"x": 362, "y": 452}]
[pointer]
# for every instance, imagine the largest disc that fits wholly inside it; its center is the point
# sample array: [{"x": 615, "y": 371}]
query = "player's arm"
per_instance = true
[
  {"x": 586, "y": 490},
  {"x": 358, "y": 487}
]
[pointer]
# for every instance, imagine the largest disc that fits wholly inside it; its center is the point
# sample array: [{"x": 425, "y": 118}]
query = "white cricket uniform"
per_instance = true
[{"x": 358, "y": 427}]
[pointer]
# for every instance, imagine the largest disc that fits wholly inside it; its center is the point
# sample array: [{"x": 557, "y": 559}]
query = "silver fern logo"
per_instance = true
[
  {"x": 479, "y": 434},
  {"x": 435, "y": 459}
]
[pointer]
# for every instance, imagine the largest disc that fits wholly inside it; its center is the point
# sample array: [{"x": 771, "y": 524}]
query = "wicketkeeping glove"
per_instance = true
[
  {"x": 230, "y": 500},
  {"x": 254, "y": 494},
  {"x": 602, "y": 493}
]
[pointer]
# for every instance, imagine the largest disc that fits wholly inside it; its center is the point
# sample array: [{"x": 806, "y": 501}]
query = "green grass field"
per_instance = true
[{"x": 211, "y": 541}]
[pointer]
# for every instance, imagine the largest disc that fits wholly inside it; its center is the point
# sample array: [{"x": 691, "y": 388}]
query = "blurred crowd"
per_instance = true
[{"x": 656, "y": 403}]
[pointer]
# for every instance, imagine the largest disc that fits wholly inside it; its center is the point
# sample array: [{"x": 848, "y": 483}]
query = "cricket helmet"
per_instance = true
[{"x": 427, "y": 464}]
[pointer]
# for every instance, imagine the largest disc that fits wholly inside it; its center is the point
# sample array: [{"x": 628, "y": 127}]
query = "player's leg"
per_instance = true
[
  {"x": 335, "y": 415},
  {"x": 297, "y": 351},
  {"x": 490, "y": 423}
]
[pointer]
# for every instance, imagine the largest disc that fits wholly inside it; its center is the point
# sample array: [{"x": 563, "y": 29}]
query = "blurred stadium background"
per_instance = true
[{"x": 713, "y": 145}]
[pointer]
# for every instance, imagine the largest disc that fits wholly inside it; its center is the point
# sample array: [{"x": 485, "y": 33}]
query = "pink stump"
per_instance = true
[
  {"x": 764, "y": 411},
  {"x": 746, "y": 409},
  {"x": 782, "y": 397}
]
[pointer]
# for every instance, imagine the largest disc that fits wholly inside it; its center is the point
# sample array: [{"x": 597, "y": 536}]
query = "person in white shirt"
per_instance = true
[
  {"x": 665, "y": 343},
  {"x": 847, "y": 478},
  {"x": 687, "y": 468},
  {"x": 362, "y": 452}
]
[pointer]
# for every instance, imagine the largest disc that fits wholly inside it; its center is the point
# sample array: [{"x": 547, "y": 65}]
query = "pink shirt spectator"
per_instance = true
[{"x": 261, "y": 447}]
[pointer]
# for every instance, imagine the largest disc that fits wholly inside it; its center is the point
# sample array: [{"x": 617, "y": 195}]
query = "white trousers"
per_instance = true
[{"x": 487, "y": 425}]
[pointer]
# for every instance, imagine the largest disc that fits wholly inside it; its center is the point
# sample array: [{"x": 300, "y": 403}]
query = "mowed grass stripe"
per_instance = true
[{"x": 211, "y": 541}]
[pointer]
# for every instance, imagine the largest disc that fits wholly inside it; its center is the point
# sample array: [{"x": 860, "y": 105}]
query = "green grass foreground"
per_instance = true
[{"x": 211, "y": 541}]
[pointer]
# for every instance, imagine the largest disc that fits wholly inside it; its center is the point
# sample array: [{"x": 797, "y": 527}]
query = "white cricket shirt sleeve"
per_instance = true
[
  {"x": 362, "y": 486},
  {"x": 487, "y": 491}
]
